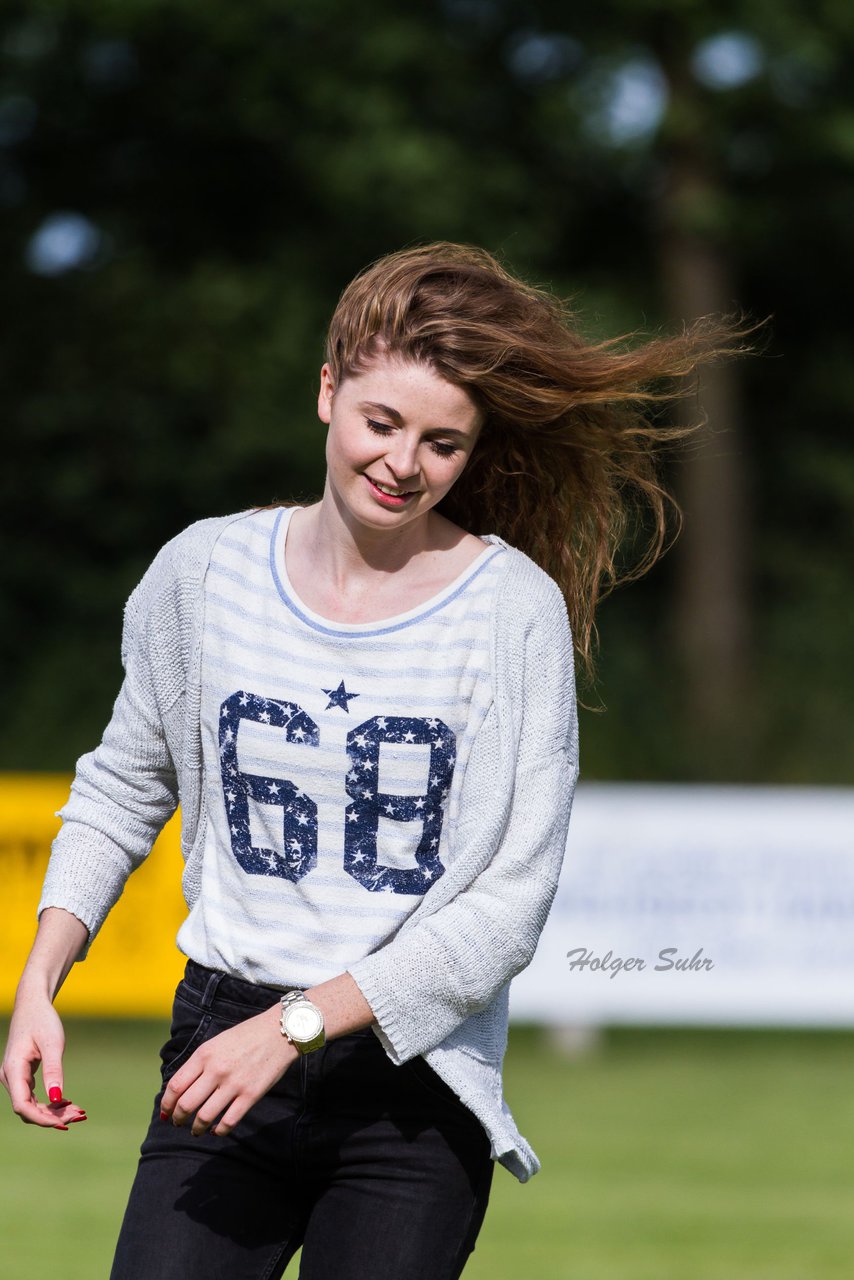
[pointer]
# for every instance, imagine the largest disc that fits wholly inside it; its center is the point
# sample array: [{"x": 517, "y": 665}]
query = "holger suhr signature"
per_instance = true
[{"x": 582, "y": 958}]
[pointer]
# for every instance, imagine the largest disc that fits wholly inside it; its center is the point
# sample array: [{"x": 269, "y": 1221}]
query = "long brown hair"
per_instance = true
[{"x": 567, "y": 464}]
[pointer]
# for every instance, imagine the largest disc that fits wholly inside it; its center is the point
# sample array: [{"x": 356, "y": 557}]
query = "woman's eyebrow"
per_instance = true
[
  {"x": 384, "y": 408},
  {"x": 398, "y": 418}
]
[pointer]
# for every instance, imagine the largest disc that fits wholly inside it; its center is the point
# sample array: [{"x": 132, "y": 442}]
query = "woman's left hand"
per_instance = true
[{"x": 227, "y": 1075}]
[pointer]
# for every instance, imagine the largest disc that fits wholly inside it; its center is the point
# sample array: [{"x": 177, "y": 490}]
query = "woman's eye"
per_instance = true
[{"x": 439, "y": 447}]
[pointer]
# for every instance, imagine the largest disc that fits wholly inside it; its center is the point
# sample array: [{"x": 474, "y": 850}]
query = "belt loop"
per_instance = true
[{"x": 211, "y": 988}]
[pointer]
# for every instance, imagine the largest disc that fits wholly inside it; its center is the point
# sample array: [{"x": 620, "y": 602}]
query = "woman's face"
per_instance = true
[{"x": 399, "y": 436}]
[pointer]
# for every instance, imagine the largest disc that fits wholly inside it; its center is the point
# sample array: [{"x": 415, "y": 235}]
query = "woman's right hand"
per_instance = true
[{"x": 36, "y": 1036}]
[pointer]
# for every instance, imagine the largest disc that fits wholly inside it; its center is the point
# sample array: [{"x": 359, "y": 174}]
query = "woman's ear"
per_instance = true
[{"x": 327, "y": 391}]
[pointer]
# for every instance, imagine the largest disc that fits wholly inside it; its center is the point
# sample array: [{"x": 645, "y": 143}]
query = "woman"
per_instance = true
[{"x": 366, "y": 708}]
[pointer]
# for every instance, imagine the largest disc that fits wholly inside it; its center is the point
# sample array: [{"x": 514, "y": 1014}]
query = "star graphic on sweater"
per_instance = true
[{"x": 339, "y": 698}]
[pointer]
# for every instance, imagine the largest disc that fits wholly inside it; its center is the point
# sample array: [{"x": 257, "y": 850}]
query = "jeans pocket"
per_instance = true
[
  {"x": 189, "y": 1024},
  {"x": 430, "y": 1082}
]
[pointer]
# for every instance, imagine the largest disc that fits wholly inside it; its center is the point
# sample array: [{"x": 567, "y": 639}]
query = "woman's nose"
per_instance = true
[{"x": 402, "y": 458}]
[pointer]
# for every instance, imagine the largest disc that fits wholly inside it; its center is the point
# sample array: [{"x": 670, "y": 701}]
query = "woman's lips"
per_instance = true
[{"x": 389, "y": 499}]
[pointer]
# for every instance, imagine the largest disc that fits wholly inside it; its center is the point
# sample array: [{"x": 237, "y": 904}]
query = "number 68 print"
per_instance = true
[{"x": 298, "y": 854}]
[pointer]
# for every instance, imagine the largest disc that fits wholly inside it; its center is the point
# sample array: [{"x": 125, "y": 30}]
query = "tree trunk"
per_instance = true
[{"x": 710, "y": 618}]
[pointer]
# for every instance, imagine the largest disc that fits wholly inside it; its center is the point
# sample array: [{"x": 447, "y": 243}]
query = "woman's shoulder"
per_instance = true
[
  {"x": 179, "y": 568},
  {"x": 186, "y": 555},
  {"x": 192, "y": 546},
  {"x": 525, "y": 588},
  {"x": 167, "y": 599}
]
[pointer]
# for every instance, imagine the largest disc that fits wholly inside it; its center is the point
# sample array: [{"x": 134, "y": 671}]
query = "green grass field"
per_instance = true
[{"x": 666, "y": 1154}]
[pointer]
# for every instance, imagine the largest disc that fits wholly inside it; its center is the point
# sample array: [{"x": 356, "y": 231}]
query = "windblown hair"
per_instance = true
[{"x": 566, "y": 467}]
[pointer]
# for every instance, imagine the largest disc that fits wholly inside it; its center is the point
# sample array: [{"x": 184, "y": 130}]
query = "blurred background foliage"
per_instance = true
[{"x": 186, "y": 187}]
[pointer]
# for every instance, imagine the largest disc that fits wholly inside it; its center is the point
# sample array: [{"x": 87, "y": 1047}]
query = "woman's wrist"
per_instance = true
[
  {"x": 289, "y": 1051},
  {"x": 342, "y": 1004},
  {"x": 34, "y": 986},
  {"x": 59, "y": 941}
]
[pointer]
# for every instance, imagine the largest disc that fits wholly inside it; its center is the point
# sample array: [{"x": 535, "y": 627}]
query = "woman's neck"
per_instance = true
[
  {"x": 342, "y": 551},
  {"x": 367, "y": 579}
]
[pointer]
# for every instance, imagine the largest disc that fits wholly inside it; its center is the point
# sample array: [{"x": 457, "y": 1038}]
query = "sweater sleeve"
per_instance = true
[
  {"x": 515, "y": 810},
  {"x": 123, "y": 792}
]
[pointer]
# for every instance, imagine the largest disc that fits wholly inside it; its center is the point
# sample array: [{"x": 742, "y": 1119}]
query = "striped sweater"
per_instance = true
[
  {"x": 436, "y": 969},
  {"x": 333, "y": 755}
]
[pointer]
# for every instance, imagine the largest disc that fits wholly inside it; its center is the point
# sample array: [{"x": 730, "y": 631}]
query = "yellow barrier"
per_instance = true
[{"x": 133, "y": 965}]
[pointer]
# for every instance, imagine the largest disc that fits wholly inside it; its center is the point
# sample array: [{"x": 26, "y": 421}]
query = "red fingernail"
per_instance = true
[
  {"x": 63, "y": 1128},
  {"x": 55, "y": 1094},
  {"x": 163, "y": 1115},
  {"x": 78, "y": 1119}
]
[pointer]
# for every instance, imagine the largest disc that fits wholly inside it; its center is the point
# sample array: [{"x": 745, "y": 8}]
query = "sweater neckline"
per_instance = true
[{"x": 381, "y": 626}]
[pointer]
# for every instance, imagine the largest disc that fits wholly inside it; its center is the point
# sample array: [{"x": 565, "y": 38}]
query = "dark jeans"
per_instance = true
[{"x": 378, "y": 1171}]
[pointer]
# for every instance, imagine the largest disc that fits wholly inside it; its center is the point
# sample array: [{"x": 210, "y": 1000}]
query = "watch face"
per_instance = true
[{"x": 303, "y": 1022}]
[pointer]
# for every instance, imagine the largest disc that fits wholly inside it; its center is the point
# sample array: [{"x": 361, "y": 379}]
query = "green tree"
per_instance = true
[{"x": 185, "y": 189}]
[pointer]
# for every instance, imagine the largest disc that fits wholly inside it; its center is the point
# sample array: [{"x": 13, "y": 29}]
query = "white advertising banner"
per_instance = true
[{"x": 700, "y": 904}]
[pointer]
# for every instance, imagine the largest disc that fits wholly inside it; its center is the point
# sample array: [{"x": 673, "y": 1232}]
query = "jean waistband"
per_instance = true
[{"x": 211, "y": 984}]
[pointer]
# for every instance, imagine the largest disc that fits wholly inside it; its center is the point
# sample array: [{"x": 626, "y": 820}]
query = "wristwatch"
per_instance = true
[{"x": 302, "y": 1022}]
